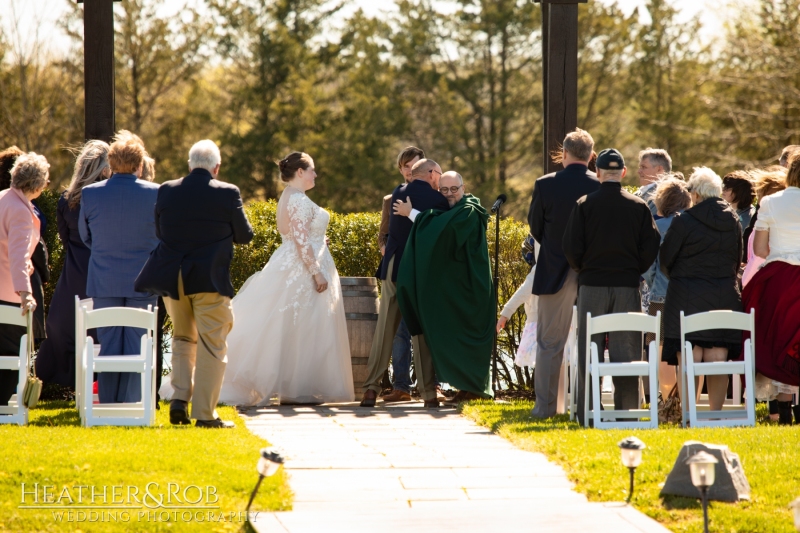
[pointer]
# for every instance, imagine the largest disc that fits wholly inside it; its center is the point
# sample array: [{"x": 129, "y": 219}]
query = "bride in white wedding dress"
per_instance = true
[{"x": 289, "y": 339}]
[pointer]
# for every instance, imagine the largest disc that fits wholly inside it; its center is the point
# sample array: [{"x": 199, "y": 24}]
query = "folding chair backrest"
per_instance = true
[
  {"x": 12, "y": 316},
  {"x": 717, "y": 320},
  {"x": 622, "y": 322},
  {"x": 119, "y": 316}
]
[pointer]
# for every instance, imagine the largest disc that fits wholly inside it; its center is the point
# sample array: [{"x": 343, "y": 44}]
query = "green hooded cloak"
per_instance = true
[{"x": 444, "y": 289}]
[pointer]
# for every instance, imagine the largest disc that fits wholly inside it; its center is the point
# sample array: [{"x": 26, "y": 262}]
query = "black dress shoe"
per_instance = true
[
  {"x": 432, "y": 404},
  {"x": 217, "y": 424},
  {"x": 178, "y": 413}
]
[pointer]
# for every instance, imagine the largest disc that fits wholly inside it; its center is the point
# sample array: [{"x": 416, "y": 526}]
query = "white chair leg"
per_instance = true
[
  {"x": 597, "y": 394},
  {"x": 654, "y": 363}
]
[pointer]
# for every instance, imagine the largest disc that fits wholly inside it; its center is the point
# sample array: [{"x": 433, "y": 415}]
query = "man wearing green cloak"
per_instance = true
[{"x": 444, "y": 288}]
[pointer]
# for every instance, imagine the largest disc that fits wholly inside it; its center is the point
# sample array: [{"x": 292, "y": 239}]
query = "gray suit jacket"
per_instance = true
[{"x": 118, "y": 225}]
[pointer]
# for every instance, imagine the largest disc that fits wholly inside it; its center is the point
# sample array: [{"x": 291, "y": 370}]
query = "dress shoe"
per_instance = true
[
  {"x": 462, "y": 396},
  {"x": 431, "y": 404},
  {"x": 396, "y": 395},
  {"x": 440, "y": 395},
  {"x": 179, "y": 413},
  {"x": 216, "y": 423},
  {"x": 368, "y": 400}
]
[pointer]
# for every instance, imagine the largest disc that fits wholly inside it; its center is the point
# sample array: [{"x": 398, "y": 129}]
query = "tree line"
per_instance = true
[{"x": 461, "y": 79}]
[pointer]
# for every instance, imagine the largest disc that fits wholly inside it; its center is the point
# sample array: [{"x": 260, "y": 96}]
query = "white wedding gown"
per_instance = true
[{"x": 289, "y": 341}]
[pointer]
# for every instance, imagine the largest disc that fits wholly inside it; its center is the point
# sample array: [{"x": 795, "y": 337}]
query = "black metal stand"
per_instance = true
[
  {"x": 630, "y": 490},
  {"x": 496, "y": 283},
  {"x": 704, "y": 493},
  {"x": 253, "y": 495}
]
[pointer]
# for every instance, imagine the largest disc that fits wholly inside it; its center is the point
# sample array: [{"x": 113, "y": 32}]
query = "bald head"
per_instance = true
[
  {"x": 451, "y": 185},
  {"x": 427, "y": 170}
]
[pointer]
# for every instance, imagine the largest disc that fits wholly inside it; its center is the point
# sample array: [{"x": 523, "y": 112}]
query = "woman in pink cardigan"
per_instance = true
[{"x": 19, "y": 235}]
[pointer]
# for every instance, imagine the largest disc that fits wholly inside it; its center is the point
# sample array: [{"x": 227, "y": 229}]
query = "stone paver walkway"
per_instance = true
[{"x": 405, "y": 468}]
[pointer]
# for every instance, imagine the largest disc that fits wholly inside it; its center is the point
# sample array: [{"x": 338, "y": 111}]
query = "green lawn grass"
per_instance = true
[
  {"x": 591, "y": 459},
  {"x": 54, "y": 450}
]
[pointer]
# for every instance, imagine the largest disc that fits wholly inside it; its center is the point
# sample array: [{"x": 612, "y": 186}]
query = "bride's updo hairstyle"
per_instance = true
[{"x": 290, "y": 164}]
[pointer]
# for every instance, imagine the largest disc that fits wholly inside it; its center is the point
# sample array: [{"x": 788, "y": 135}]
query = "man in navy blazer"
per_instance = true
[
  {"x": 554, "y": 197},
  {"x": 116, "y": 224},
  {"x": 422, "y": 190},
  {"x": 198, "y": 218}
]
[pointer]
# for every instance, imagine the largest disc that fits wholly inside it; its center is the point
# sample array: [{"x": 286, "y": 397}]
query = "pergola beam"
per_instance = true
[
  {"x": 559, "y": 74},
  {"x": 98, "y": 68}
]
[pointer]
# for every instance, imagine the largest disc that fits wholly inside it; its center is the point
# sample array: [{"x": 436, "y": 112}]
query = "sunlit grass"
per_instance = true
[
  {"x": 54, "y": 450},
  {"x": 591, "y": 459}
]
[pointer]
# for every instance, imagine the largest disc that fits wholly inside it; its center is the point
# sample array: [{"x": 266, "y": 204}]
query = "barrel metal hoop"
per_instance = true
[
  {"x": 361, "y": 294},
  {"x": 369, "y": 282},
  {"x": 361, "y": 316}
]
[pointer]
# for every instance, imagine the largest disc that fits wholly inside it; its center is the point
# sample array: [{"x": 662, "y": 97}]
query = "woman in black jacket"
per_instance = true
[{"x": 700, "y": 255}]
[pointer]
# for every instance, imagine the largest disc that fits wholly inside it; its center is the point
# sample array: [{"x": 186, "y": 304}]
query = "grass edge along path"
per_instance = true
[
  {"x": 591, "y": 460},
  {"x": 54, "y": 450}
]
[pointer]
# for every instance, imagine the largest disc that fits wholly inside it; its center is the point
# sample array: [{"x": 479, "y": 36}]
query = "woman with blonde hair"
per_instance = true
[{"x": 55, "y": 362}]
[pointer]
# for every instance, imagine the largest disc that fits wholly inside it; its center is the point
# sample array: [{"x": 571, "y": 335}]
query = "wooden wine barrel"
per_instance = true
[{"x": 361, "y": 302}]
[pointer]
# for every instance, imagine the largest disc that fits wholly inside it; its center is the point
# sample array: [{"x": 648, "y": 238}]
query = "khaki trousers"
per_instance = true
[
  {"x": 388, "y": 320},
  {"x": 200, "y": 326}
]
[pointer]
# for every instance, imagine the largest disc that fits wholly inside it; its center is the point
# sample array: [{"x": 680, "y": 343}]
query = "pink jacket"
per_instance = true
[{"x": 19, "y": 235}]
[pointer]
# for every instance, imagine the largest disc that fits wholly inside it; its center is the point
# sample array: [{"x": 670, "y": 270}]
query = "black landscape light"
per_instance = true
[
  {"x": 631, "y": 449},
  {"x": 702, "y": 467},
  {"x": 268, "y": 464}
]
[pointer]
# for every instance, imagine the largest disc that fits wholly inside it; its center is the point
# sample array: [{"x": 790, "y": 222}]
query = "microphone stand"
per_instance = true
[{"x": 496, "y": 283}]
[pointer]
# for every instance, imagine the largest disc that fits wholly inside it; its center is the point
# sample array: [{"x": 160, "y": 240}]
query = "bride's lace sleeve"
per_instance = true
[{"x": 301, "y": 211}]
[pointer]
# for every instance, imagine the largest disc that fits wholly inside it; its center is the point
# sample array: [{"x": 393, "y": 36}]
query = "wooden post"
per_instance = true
[
  {"x": 560, "y": 74},
  {"x": 98, "y": 68}
]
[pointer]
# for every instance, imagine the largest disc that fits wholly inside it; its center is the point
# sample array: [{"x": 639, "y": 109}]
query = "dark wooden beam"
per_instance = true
[
  {"x": 545, "y": 65},
  {"x": 561, "y": 79},
  {"x": 98, "y": 68}
]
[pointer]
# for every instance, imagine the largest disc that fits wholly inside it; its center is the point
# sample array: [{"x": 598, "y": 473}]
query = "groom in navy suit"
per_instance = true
[
  {"x": 424, "y": 195},
  {"x": 116, "y": 224}
]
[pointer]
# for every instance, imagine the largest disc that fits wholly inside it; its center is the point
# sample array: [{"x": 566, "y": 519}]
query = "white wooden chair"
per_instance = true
[
  {"x": 118, "y": 414},
  {"x": 595, "y": 370},
  {"x": 16, "y": 412},
  {"x": 571, "y": 362},
  {"x": 731, "y": 415}
]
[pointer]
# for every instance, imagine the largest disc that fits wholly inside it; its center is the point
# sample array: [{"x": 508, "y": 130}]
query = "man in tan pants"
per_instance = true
[
  {"x": 198, "y": 218},
  {"x": 422, "y": 190},
  {"x": 200, "y": 324}
]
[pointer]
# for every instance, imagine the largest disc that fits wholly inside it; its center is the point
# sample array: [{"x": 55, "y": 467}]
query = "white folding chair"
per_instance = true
[
  {"x": 80, "y": 344},
  {"x": 727, "y": 416},
  {"x": 118, "y": 414},
  {"x": 571, "y": 360},
  {"x": 595, "y": 370},
  {"x": 16, "y": 412}
]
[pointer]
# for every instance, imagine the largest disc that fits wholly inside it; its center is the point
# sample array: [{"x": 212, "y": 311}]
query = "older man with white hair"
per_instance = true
[{"x": 198, "y": 218}]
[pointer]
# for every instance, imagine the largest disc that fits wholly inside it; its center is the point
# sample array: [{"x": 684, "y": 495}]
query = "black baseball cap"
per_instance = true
[{"x": 610, "y": 159}]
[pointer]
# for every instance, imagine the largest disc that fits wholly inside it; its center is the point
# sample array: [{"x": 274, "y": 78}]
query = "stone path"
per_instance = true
[{"x": 405, "y": 468}]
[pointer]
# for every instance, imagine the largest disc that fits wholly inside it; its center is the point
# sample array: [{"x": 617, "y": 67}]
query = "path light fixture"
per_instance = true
[
  {"x": 631, "y": 449},
  {"x": 702, "y": 467},
  {"x": 795, "y": 507},
  {"x": 269, "y": 462}
]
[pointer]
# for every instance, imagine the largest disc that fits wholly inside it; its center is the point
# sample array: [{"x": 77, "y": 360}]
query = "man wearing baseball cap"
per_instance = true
[{"x": 610, "y": 241}]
